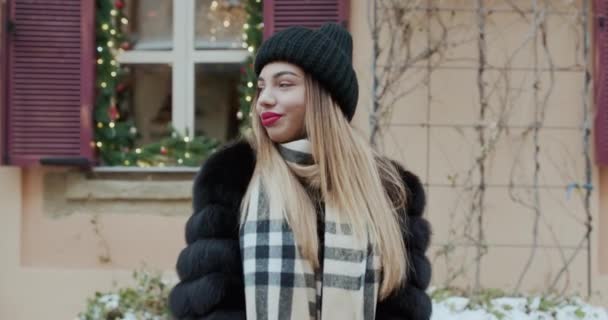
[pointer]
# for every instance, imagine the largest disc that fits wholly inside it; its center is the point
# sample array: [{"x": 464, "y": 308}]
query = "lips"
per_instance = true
[{"x": 269, "y": 118}]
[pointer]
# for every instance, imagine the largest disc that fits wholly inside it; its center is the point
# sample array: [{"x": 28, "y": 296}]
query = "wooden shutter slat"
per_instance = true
[
  {"x": 601, "y": 80},
  {"x": 281, "y": 14},
  {"x": 51, "y": 80}
]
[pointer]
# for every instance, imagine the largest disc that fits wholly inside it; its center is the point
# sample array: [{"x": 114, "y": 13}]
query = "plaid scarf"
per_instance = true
[{"x": 281, "y": 285}]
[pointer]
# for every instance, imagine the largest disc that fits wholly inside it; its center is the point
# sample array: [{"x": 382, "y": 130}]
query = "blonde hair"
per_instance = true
[{"x": 351, "y": 178}]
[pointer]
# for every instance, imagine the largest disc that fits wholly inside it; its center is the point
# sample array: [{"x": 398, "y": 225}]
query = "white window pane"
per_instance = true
[
  {"x": 217, "y": 100},
  {"x": 149, "y": 101},
  {"x": 219, "y": 23},
  {"x": 150, "y": 24}
]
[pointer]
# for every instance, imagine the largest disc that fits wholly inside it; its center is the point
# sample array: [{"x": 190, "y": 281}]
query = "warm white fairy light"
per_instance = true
[
  {"x": 112, "y": 124},
  {"x": 124, "y": 20},
  {"x": 105, "y": 26},
  {"x": 99, "y": 144},
  {"x": 103, "y": 84},
  {"x": 127, "y": 162},
  {"x": 245, "y": 45},
  {"x": 186, "y": 139},
  {"x": 187, "y": 155},
  {"x": 239, "y": 115},
  {"x": 113, "y": 62},
  {"x": 251, "y": 49},
  {"x": 99, "y": 125},
  {"x": 113, "y": 12},
  {"x": 248, "y": 98},
  {"x": 180, "y": 161},
  {"x": 99, "y": 49},
  {"x": 138, "y": 150},
  {"x": 246, "y": 26},
  {"x": 100, "y": 61},
  {"x": 112, "y": 32},
  {"x": 213, "y": 5},
  {"x": 110, "y": 43},
  {"x": 226, "y": 23},
  {"x": 250, "y": 84},
  {"x": 113, "y": 74}
]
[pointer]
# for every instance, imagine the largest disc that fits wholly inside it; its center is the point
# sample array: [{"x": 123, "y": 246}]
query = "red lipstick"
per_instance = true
[{"x": 269, "y": 118}]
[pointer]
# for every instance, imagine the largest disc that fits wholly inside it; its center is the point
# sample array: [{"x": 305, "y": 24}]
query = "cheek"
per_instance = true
[{"x": 295, "y": 104}]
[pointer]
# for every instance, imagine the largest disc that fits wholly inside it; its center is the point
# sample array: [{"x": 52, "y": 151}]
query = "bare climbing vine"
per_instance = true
[{"x": 412, "y": 40}]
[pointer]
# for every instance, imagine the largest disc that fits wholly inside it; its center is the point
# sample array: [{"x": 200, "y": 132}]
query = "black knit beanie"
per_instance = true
[{"x": 325, "y": 53}]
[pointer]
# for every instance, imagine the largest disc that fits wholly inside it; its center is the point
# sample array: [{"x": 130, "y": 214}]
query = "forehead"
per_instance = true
[{"x": 275, "y": 67}]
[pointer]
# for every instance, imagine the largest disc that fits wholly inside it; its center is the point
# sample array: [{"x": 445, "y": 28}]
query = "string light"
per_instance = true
[
  {"x": 113, "y": 74},
  {"x": 248, "y": 98},
  {"x": 245, "y": 45},
  {"x": 105, "y": 26},
  {"x": 113, "y": 32},
  {"x": 213, "y": 5},
  {"x": 226, "y": 23},
  {"x": 100, "y": 61},
  {"x": 250, "y": 84},
  {"x": 110, "y": 43},
  {"x": 138, "y": 150},
  {"x": 99, "y": 125},
  {"x": 186, "y": 139},
  {"x": 99, "y": 144},
  {"x": 127, "y": 162},
  {"x": 251, "y": 49},
  {"x": 187, "y": 155},
  {"x": 180, "y": 161},
  {"x": 99, "y": 49},
  {"x": 124, "y": 20},
  {"x": 113, "y": 12},
  {"x": 112, "y": 124},
  {"x": 246, "y": 26},
  {"x": 103, "y": 84},
  {"x": 113, "y": 62},
  {"x": 239, "y": 115}
]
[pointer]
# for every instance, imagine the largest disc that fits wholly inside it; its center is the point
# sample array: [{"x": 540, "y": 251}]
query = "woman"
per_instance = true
[{"x": 304, "y": 220}]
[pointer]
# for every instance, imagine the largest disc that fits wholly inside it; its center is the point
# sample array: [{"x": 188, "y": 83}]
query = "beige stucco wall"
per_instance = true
[
  {"x": 53, "y": 258},
  {"x": 433, "y": 133}
]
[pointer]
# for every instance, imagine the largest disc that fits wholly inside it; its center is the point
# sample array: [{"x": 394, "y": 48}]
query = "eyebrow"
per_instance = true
[{"x": 280, "y": 73}]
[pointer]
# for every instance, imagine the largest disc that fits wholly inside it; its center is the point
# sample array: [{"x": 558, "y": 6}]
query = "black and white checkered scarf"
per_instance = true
[{"x": 281, "y": 285}]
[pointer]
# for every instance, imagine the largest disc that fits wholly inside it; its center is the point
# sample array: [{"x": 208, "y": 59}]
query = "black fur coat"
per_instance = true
[{"x": 210, "y": 271}]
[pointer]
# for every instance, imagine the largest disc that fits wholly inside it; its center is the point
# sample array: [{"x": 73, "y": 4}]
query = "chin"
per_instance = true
[{"x": 279, "y": 137}]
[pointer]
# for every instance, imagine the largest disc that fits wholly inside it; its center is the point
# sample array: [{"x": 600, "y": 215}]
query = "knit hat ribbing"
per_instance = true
[{"x": 325, "y": 53}]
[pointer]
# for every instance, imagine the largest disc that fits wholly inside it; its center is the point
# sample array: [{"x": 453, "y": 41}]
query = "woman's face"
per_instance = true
[{"x": 281, "y": 103}]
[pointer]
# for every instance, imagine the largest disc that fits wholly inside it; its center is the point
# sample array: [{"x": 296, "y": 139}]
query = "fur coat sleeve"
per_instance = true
[{"x": 211, "y": 283}]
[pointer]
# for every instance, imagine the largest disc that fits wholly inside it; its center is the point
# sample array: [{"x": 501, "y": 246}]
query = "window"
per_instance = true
[{"x": 184, "y": 66}]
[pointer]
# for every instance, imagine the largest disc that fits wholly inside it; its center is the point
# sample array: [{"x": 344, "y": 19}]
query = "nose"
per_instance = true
[{"x": 266, "y": 99}]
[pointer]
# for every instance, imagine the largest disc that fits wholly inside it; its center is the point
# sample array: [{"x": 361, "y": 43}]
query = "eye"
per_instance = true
[{"x": 284, "y": 85}]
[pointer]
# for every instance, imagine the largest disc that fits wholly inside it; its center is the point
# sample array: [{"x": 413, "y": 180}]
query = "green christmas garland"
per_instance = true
[
  {"x": 252, "y": 35},
  {"x": 115, "y": 136}
]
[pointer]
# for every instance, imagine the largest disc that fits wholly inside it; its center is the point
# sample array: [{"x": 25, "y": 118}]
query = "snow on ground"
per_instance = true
[{"x": 533, "y": 308}]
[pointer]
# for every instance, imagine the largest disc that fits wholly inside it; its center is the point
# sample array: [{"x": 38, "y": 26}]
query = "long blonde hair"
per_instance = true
[{"x": 351, "y": 177}]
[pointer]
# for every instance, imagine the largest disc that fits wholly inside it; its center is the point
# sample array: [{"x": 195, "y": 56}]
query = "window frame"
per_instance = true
[{"x": 182, "y": 59}]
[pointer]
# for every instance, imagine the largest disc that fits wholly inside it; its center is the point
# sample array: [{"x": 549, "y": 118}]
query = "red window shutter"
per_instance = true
[
  {"x": 51, "y": 81},
  {"x": 3, "y": 64},
  {"x": 601, "y": 80},
  {"x": 280, "y": 14}
]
